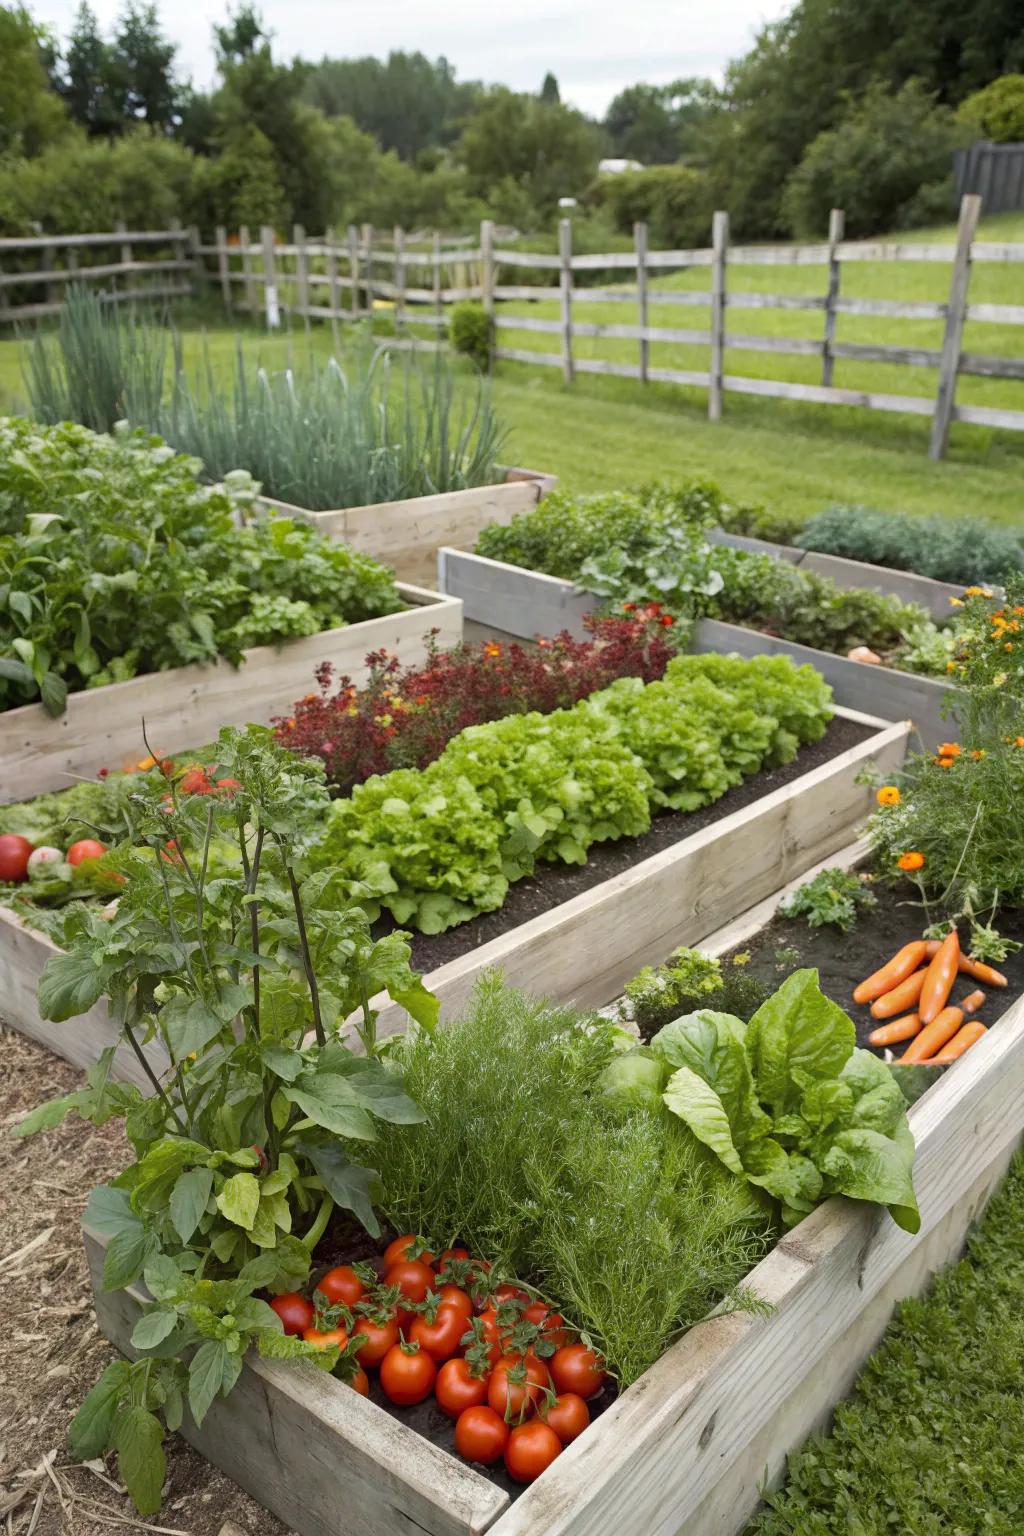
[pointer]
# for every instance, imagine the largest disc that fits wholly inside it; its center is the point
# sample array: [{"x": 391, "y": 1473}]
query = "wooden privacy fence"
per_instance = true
[
  {"x": 35, "y": 271},
  {"x": 995, "y": 172},
  {"x": 950, "y": 361}
]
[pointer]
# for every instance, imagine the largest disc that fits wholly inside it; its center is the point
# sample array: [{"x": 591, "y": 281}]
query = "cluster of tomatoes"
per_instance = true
[
  {"x": 498, "y": 1361},
  {"x": 19, "y": 860}
]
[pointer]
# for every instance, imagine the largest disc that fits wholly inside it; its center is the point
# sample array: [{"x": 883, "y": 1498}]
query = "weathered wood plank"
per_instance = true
[
  {"x": 775, "y": 301},
  {"x": 793, "y": 346},
  {"x": 325, "y": 1460},
  {"x": 686, "y": 1448},
  {"x": 914, "y": 405},
  {"x": 990, "y": 367},
  {"x": 565, "y": 295},
  {"x": 959, "y": 282},
  {"x": 894, "y": 309},
  {"x": 720, "y": 252},
  {"x": 528, "y": 323},
  {"x": 990, "y": 416},
  {"x": 836, "y": 223},
  {"x": 640, "y": 251},
  {"x": 187, "y": 706},
  {"x": 521, "y": 355}
]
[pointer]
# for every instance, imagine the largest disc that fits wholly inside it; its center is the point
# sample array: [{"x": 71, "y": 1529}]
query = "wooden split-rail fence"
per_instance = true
[{"x": 414, "y": 279}]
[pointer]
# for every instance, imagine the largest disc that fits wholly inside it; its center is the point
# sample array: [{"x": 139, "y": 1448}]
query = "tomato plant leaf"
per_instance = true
[
  {"x": 189, "y": 1199},
  {"x": 332, "y": 1102},
  {"x": 239, "y": 1199},
  {"x": 70, "y": 985},
  {"x": 205, "y": 1376},
  {"x": 189, "y": 1025},
  {"x": 90, "y": 1430},
  {"x": 350, "y": 1186},
  {"x": 287, "y": 1064},
  {"x": 138, "y": 1439},
  {"x": 153, "y": 1327}
]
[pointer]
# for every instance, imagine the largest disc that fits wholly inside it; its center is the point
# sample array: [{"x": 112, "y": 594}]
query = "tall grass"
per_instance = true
[
  {"x": 321, "y": 434},
  {"x": 101, "y": 365}
]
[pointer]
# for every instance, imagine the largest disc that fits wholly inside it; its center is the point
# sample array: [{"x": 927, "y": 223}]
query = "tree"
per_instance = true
[
  {"x": 87, "y": 81},
  {"x": 549, "y": 91},
  {"x": 997, "y": 112},
  {"x": 240, "y": 36},
  {"x": 409, "y": 103},
  {"x": 657, "y": 124},
  {"x": 31, "y": 116},
  {"x": 545, "y": 149},
  {"x": 144, "y": 61}
]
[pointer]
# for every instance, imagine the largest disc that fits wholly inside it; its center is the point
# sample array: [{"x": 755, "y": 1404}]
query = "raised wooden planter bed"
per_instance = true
[
  {"x": 187, "y": 706},
  {"x": 407, "y": 535},
  {"x": 688, "y": 1446},
  {"x": 525, "y": 603},
  {"x": 585, "y": 949},
  {"x": 933, "y": 595}
]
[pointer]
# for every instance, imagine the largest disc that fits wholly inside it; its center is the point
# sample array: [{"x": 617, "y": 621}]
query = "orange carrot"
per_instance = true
[
  {"x": 900, "y": 1029},
  {"x": 973, "y": 1003},
  {"x": 982, "y": 972},
  {"x": 902, "y": 964},
  {"x": 900, "y": 998},
  {"x": 934, "y": 1035},
  {"x": 932, "y": 947},
  {"x": 971, "y": 1032},
  {"x": 941, "y": 974}
]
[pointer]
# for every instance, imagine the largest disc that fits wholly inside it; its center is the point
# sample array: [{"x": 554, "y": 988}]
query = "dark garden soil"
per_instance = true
[
  {"x": 50, "y": 1349},
  {"x": 557, "y": 883},
  {"x": 845, "y": 959}
]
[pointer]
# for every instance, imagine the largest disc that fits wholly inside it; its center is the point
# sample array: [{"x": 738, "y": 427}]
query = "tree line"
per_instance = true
[{"x": 851, "y": 102}]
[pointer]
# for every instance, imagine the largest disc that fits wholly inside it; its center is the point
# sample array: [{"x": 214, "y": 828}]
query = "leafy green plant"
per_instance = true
[
  {"x": 381, "y": 427},
  {"x": 689, "y": 980},
  {"x": 115, "y": 560},
  {"x": 102, "y": 365},
  {"x": 788, "y": 1103},
  {"x": 244, "y": 968},
  {"x": 436, "y": 846},
  {"x": 833, "y": 899},
  {"x": 997, "y": 111},
  {"x": 959, "y": 550},
  {"x": 470, "y": 331},
  {"x": 634, "y": 1231}
]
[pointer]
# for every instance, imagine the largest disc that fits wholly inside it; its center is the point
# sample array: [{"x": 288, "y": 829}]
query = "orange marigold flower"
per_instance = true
[
  {"x": 492, "y": 648},
  {"x": 544, "y": 644},
  {"x": 1019, "y": 742},
  {"x": 629, "y": 607},
  {"x": 888, "y": 795},
  {"x": 944, "y": 762},
  {"x": 911, "y": 861},
  {"x": 979, "y": 754},
  {"x": 949, "y": 749}
]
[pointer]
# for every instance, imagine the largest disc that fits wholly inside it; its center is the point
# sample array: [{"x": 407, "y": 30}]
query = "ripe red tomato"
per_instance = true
[
  {"x": 15, "y": 853},
  {"x": 457, "y": 1388},
  {"x": 551, "y": 1324},
  {"x": 516, "y": 1386},
  {"x": 508, "y": 1293},
  {"x": 324, "y": 1339},
  {"x": 455, "y": 1296},
  {"x": 195, "y": 781},
  {"x": 439, "y": 1339},
  {"x": 295, "y": 1312},
  {"x": 407, "y": 1375},
  {"x": 575, "y": 1368},
  {"x": 531, "y": 1447},
  {"x": 360, "y": 1383},
  {"x": 568, "y": 1416},
  {"x": 397, "y": 1250},
  {"x": 87, "y": 848},
  {"x": 460, "y": 1255},
  {"x": 228, "y": 787},
  {"x": 481, "y": 1435},
  {"x": 413, "y": 1277},
  {"x": 341, "y": 1284},
  {"x": 380, "y": 1337}
]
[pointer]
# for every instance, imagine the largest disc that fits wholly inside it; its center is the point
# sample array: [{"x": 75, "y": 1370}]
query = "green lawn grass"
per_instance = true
[
  {"x": 932, "y": 1440},
  {"x": 604, "y": 432}
]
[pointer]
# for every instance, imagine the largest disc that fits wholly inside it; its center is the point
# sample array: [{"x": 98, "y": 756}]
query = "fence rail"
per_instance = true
[{"x": 344, "y": 277}]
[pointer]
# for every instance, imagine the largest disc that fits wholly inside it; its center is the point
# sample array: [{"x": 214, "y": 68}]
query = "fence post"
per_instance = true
[
  {"x": 248, "y": 296},
  {"x": 271, "y": 307},
  {"x": 220, "y": 234},
  {"x": 368, "y": 258},
  {"x": 836, "y": 229},
  {"x": 333, "y": 291},
  {"x": 301, "y": 272},
  {"x": 719, "y": 248},
  {"x": 640, "y": 246},
  {"x": 179, "y": 241},
  {"x": 353, "y": 267},
  {"x": 487, "y": 266},
  {"x": 565, "y": 291},
  {"x": 52, "y": 290},
  {"x": 399, "y": 241},
  {"x": 125, "y": 256},
  {"x": 199, "y": 274},
  {"x": 959, "y": 282},
  {"x": 438, "y": 284}
]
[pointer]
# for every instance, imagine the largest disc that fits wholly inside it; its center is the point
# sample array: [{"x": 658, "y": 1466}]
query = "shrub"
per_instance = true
[
  {"x": 687, "y": 981},
  {"x": 88, "y": 184},
  {"x": 997, "y": 111},
  {"x": 957, "y": 550},
  {"x": 438, "y": 846},
  {"x": 405, "y": 716},
  {"x": 760, "y": 522},
  {"x": 620, "y": 1219},
  {"x": 470, "y": 332},
  {"x": 887, "y": 150},
  {"x": 832, "y": 899},
  {"x": 117, "y": 561},
  {"x": 673, "y": 200}
]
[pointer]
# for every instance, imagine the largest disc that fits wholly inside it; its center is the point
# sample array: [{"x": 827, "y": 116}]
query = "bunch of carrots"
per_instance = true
[{"x": 913, "y": 990}]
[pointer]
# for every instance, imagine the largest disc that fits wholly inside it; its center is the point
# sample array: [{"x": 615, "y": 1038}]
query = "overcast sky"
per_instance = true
[{"x": 594, "y": 46}]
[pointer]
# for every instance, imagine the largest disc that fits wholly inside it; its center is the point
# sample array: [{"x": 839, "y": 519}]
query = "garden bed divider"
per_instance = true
[
  {"x": 687, "y": 1448},
  {"x": 406, "y": 535},
  {"x": 186, "y": 706},
  {"x": 515, "y": 601}
]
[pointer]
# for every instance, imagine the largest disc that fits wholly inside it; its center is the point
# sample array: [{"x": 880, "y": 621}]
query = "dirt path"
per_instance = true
[{"x": 50, "y": 1349}]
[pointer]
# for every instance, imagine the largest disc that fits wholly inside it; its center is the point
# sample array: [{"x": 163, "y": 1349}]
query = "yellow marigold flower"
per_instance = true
[
  {"x": 352, "y": 710},
  {"x": 888, "y": 795},
  {"x": 1008, "y": 646},
  {"x": 949, "y": 749},
  {"x": 950, "y": 666},
  {"x": 972, "y": 591},
  {"x": 999, "y": 679},
  {"x": 957, "y": 602},
  {"x": 911, "y": 861}
]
